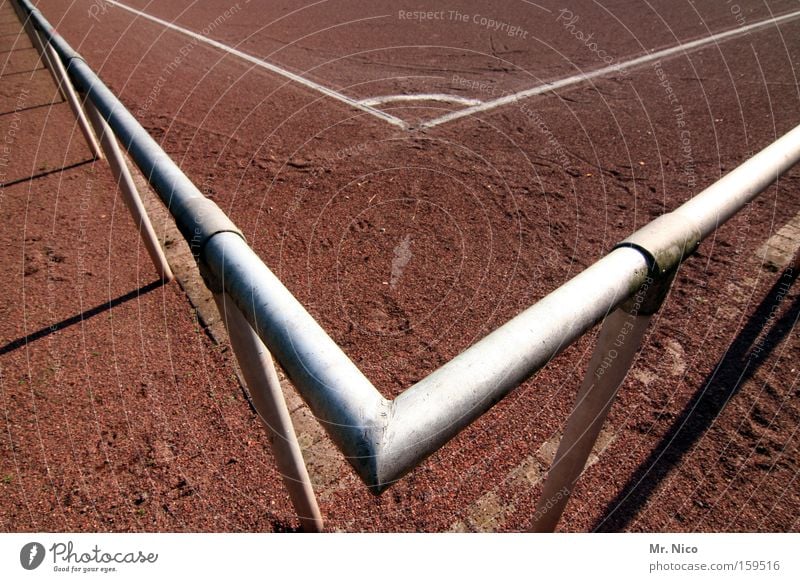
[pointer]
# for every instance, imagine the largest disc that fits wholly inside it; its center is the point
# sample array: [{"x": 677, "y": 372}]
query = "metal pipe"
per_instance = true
[
  {"x": 342, "y": 399},
  {"x": 382, "y": 439},
  {"x": 44, "y": 54},
  {"x": 265, "y": 390},
  {"x": 617, "y": 344},
  {"x": 719, "y": 202},
  {"x": 123, "y": 178},
  {"x": 667, "y": 241},
  {"x": 435, "y": 409},
  {"x": 169, "y": 182},
  {"x": 385, "y": 439}
]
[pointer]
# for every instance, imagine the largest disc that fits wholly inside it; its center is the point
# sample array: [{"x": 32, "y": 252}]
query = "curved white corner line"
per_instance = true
[
  {"x": 372, "y": 101},
  {"x": 616, "y": 68},
  {"x": 268, "y": 66}
]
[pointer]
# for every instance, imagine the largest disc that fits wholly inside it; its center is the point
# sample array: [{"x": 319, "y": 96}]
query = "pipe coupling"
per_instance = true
[
  {"x": 201, "y": 220},
  {"x": 665, "y": 242}
]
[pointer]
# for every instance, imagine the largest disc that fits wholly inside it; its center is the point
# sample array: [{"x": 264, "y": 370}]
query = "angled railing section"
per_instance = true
[{"x": 384, "y": 439}]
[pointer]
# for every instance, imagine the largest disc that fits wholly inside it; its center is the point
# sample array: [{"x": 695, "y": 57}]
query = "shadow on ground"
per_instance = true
[
  {"x": 760, "y": 335},
  {"x": 84, "y": 315}
]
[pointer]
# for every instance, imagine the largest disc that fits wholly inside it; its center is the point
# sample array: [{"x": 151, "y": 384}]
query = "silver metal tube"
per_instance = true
[
  {"x": 670, "y": 238},
  {"x": 435, "y": 409},
  {"x": 382, "y": 439},
  {"x": 617, "y": 344},
  {"x": 265, "y": 390},
  {"x": 343, "y": 400},
  {"x": 44, "y": 55},
  {"x": 74, "y": 102},
  {"x": 172, "y": 185},
  {"x": 174, "y": 188},
  {"x": 64, "y": 85},
  {"x": 720, "y": 201}
]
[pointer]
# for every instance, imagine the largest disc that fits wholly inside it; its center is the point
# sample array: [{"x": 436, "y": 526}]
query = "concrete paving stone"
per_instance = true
[
  {"x": 27, "y": 91},
  {"x": 458, "y": 527},
  {"x": 779, "y": 250},
  {"x": 14, "y": 41},
  {"x": 20, "y": 61},
  {"x": 10, "y": 26},
  {"x": 488, "y": 513},
  {"x": 547, "y": 452},
  {"x": 528, "y": 473}
]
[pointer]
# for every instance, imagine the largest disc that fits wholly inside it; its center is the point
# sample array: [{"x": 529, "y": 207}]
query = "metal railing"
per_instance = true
[{"x": 385, "y": 439}]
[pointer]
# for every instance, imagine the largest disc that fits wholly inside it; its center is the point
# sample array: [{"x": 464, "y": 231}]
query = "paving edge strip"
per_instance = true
[
  {"x": 489, "y": 512},
  {"x": 781, "y": 248}
]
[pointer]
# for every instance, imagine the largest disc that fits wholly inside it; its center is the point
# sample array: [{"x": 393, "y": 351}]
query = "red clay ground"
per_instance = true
[{"x": 407, "y": 246}]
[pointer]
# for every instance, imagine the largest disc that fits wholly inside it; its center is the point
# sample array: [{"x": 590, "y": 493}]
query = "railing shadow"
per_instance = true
[
  {"x": 89, "y": 313},
  {"x": 63, "y": 168},
  {"x": 745, "y": 355}
]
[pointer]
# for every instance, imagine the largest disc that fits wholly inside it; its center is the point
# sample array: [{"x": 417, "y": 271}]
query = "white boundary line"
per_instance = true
[
  {"x": 268, "y": 66},
  {"x": 475, "y": 105},
  {"x": 421, "y": 97},
  {"x": 576, "y": 79}
]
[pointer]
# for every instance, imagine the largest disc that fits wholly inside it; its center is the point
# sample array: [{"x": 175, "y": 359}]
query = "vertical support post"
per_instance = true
[
  {"x": 64, "y": 82},
  {"x": 61, "y": 78},
  {"x": 122, "y": 176},
  {"x": 617, "y": 344},
  {"x": 262, "y": 381},
  {"x": 40, "y": 46}
]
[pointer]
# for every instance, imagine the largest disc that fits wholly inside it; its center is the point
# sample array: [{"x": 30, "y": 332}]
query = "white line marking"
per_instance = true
[
  {"x": 576, "y": 79},
  {"x": 538, "y": 6},
  {"x": 269, "y": 66},
  {"x": 421, "y": 97}
]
